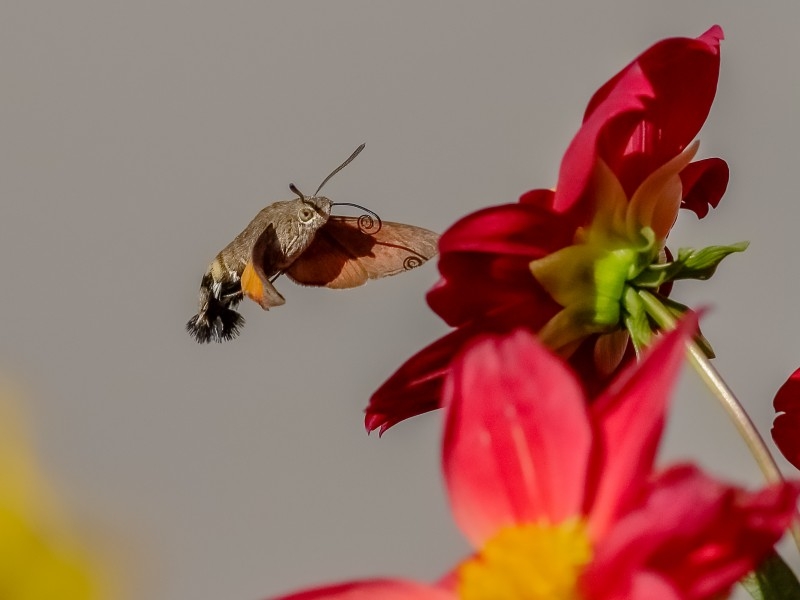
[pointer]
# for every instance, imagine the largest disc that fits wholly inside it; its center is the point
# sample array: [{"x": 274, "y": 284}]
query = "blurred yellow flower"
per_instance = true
[{"x": 40, "y": 558}]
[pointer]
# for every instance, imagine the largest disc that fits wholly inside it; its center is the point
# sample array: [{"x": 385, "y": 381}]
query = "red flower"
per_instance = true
[
  {"x": 786, "y": 428},
  {"x": 621, "y": 181},
  {"x": 558, "y": 497}
]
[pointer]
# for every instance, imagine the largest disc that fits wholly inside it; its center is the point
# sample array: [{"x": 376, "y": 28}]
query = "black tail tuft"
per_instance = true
[{"x": 217, "y": 322}]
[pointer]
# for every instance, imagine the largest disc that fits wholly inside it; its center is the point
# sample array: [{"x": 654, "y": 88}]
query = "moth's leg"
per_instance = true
[{"x": 233, "y": 297}]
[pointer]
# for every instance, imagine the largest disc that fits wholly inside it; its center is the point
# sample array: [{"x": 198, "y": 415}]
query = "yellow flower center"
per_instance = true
[{"x": 530, "y": 562}]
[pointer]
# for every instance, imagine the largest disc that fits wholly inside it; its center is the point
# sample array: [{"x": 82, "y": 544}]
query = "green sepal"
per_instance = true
[
  {"x": 772, "y": 580},
  {"x": 689, "y": 264},
  {"x": 636, "y": 320},
  {"x": 677, "y": 309},
  {"x": 611, "y": 270}
]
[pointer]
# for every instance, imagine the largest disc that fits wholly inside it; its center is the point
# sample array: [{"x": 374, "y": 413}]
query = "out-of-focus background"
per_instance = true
[{"x": 137, "y": 138}]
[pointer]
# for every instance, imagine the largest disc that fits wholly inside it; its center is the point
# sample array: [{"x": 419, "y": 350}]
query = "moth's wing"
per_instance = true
[
  {"x": 343, "y": 255},
  {"x": 255, "y": 279},
  {"x": 260, "y": 290}
]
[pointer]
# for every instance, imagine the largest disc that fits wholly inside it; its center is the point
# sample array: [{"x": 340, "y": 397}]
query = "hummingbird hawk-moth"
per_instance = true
[{"x": 301, "y": 239}]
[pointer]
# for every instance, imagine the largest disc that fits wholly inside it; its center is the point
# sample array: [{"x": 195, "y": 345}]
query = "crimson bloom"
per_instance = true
[
  {"x": 558, "y": 495},
  {"x": 562, "y": 262},
  {"x": 786, "y": 427}
]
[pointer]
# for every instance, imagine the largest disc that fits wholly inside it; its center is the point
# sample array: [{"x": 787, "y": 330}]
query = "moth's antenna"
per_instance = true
[
  {"x": 366, "y": 210},
  {"x": 294, "y": 190},
  {"x": 370, "y": 223},
  {"x": 340, "y": 167}
]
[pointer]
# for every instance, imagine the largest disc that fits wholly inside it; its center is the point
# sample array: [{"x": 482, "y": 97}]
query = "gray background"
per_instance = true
[{"x": 136, "y": 138}]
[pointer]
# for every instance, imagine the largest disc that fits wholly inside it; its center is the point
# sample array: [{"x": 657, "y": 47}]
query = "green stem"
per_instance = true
[{"x": 726, "y": 397}]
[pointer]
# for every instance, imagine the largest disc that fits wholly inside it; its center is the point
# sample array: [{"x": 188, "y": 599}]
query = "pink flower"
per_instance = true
[
  {"x": 558, "y": 496},
  {"x": 559, "y": 262},
  {"x": 786, "y": 428}
]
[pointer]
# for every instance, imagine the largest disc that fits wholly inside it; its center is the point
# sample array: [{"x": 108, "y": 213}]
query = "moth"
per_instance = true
[{"x": 301, "y": 239}]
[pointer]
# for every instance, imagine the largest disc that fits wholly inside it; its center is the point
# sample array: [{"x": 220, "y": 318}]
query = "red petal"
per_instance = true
[
  {"x": 485, "y": 257},
  {"x": 699, "y": 534},
  {"x": 704, "y": 183},
  {"x": 386, "y": 589},
  {"x": 416, "y": 387},
  {"x": 629, "y": 418},
  {"x": 786, "y": 428},
  {"x": 474, "y": 286},
  {"x": 579, "y": 160},
  {"x": 540, "y": 198},
  {"x": 518, "y": 229},
  {"x": 683, "y": 73},
  {"x": 643, "y": 116},
  {"x": 517, "y": 437}
]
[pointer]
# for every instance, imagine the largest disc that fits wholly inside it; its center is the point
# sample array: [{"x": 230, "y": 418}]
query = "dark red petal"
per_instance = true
[
  {"x": 643, "y": 116},
  {"x": 474, "y": 286},
  {"x": 786, "y": 428},
  {"x": 416, "y": 387},
  {"x": 539, "y": 198},
  {"x": 485, "y": 257},
  {"x": 697, "y": 533},
  {"x": 788, "y": 397},
  {"x": 517, "y": 437},
  {"x": 623, "y": 99},
  {"x": 516, "y": 229},
  {"x": 704, "y": 183},
  {"x": 629, "y": 419},
  {"x": 683, "y": 74},
  {"x": 386, "y": 589}
]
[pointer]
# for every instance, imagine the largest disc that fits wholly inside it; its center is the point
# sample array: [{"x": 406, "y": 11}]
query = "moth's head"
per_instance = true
[
  {"x": 297, "y": 221},
  {"x": 314, "y": 210}
]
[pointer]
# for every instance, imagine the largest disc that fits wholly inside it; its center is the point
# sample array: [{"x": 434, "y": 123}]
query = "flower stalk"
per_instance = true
[{"x": 716, "y": 384}]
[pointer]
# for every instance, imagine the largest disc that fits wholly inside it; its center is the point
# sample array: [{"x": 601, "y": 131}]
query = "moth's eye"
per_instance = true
[{"x": 306, "y": 214}]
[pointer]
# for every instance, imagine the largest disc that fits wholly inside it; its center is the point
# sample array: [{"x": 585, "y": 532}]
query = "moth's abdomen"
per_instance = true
[
  {"x": 215, "y": 320},
  {"x": 218, "y": 323}
]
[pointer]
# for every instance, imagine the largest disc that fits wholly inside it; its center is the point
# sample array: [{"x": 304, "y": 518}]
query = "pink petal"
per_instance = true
[
  {"x": 643, "y": 585},
  {"x": 385, "y": 589},
  {"x": 704, "y": 182},
  {"x": 628, "y": 419},
  {"x": 516, "y": 437},
  {"x": 786, "y": 428},
  {"x": 700, "y": 535},
  {"x": 650, "y": 586}
]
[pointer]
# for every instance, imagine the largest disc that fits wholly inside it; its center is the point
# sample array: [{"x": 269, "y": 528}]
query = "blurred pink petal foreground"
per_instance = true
[{"x": 557, "y": 494}]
